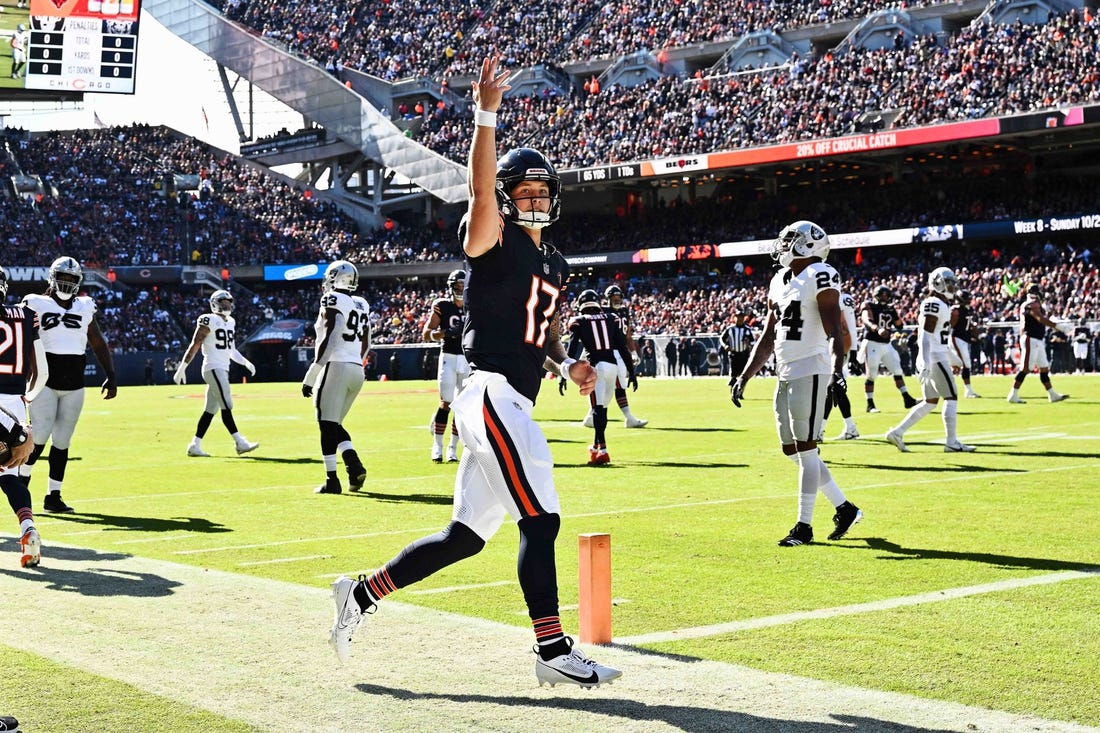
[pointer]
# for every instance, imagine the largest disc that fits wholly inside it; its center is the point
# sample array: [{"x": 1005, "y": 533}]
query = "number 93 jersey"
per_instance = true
[
  {"x": 347, "y": 345},
  {"x": 63, "y": 330},
  {"x": 801, "y": 344},
  {"x": 218, "y": 342}
]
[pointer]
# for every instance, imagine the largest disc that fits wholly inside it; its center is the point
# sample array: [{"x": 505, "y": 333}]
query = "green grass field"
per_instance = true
[{"x": 694, "y": 503}]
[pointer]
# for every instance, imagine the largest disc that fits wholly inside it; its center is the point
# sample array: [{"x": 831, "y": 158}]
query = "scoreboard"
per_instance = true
[{"x": 82, "y": 45}]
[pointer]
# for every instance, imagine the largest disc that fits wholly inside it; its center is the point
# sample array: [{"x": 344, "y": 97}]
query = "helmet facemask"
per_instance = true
[
  {"x": 799, "y": 240},
  {"x": 221, "y": 303},
  {"x": 65, "y": 277}
]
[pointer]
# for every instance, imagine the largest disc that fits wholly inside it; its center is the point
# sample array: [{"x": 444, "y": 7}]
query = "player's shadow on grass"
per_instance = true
[
  {"x": 943, "y": 468},
  {"x": 1014, "y": 450},
  {"x": 145, "y": 524},
  {"x": 689, "y": 718},
  {"x": 912, "y": 553},
  {"x": 101, "y": 580},
  {"x": 441, "y": 499},
  {"x": 269, "y": 459}
]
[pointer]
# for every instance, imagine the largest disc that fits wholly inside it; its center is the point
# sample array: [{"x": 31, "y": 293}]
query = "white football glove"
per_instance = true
[
  {"x": 250, "y": 367},
  {"x": 180, "y": 377}
]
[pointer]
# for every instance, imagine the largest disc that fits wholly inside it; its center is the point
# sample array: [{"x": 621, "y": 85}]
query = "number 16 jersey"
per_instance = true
[{"x": 801, "y": 344}]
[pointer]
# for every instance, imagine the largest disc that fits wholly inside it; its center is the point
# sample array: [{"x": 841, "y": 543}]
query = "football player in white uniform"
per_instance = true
[
  {"x": 934, "y": 364},
  {"x": 336, "y": 375},
  {"x": 803, "y": 314},
  {"x": 67, "y": 326},
  {"x": 445, "y": 326},
  {"x": 214, "y": 334}
]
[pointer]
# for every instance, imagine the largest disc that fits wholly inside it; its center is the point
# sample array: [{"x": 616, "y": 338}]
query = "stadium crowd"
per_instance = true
[
  {"x": 980, "y": 71},
  {"x": 397, "y": 39}
]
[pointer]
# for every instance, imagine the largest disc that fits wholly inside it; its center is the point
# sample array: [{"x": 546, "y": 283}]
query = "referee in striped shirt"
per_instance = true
[{"x": 737, "y": 341}]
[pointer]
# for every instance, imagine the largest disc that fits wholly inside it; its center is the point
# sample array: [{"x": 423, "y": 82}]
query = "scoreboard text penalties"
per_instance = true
[{"x": 83, "y": 45}]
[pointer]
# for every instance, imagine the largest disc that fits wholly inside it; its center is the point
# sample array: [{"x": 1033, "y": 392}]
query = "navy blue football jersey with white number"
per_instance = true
[{"x": 512, "y": 295}]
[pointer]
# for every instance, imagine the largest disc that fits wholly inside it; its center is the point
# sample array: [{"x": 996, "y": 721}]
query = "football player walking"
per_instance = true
[
  {"x": 803, "y": 316},
  {"x": 68, "y": 326},
  {"x": 215, "y": 335}
]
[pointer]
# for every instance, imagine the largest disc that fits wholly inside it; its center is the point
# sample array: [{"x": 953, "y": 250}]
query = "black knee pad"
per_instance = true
[{"x": 543, "y": 527}]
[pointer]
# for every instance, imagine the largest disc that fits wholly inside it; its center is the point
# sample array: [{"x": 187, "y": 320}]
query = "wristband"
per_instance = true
[
  {"x": 563, "y": 368},
  {"x": 485, "y": 118}
]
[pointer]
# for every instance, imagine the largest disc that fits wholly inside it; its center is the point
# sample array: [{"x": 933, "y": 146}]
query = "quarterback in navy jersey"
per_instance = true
[{"x": 512, "y": 336}]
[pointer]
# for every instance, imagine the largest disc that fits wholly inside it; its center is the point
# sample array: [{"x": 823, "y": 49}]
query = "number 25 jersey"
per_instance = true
[{"x": 801, "y": 344}]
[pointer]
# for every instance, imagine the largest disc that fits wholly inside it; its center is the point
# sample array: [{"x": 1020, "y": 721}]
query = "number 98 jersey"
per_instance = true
[
  {"x": 347, "y": 345},
  {"x": 218, "y": 342},
  {"x": 801, "y": 344}
]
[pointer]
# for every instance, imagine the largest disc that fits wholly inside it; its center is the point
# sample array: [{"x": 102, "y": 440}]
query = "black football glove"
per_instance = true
[
  {"x": 307, "y": 390},
  {"x": 632, "y": 382},
  {"x": 839, "y": 383},
  {"x": 562, "y": 384},
  {"x": 737, "y": 391},
  {"x": 853, "y": 364},
  {"x": 110, "y": 386}
]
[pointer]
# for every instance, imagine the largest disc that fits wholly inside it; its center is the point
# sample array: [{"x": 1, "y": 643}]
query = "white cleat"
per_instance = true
[
  {"x": 573, "y": 668},
  {"x": 437, "y": 454},
  {"x": 348, "y": 616},
  {"x": 244, "y": 446},
  {"x": 634, "y": 422},
  {"x": 452, "y": 455},
  {"x": 957, "y": 447},
  {"x": 196, "y": 451},
  {"x": 1016, "y": 400},
  {"x": 972, "y": 395},
  {"x": 848, "y": 435},
  {"x": 589, "y": 421},
  {"x": 895, "y": 438},
  {"x": 1055, "y": 397},
  {"x": 30, "y": 546}
]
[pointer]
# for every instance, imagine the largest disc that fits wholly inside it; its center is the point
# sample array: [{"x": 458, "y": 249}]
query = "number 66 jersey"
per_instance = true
[{"x": 801, "y": 344}]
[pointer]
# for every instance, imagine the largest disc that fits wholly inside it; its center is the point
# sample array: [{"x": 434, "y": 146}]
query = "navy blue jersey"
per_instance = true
[
  {"x": 511, "y": 298},
  {"x": 963, "y": 329},
  {"x": 450, "y": 320},
  {"x": 885, "y": 316},
  {"x": 17, "y": 335},
  {"x": 600, "y": 335}
]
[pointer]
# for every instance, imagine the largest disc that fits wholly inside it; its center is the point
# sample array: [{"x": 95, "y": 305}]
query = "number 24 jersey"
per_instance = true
[{"x": 801, "y": 344}]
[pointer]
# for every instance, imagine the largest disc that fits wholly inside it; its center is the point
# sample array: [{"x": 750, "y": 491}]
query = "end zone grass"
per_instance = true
[{"x": 694, "y": 504}]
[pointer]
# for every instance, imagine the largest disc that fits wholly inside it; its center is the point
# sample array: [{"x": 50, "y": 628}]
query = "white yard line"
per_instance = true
[
  {"x": 459, "y": 588},
  {"x": 947, "y": 594},
  {"x": 279, "y": 560},
  {"x": 254, "y": 650}
]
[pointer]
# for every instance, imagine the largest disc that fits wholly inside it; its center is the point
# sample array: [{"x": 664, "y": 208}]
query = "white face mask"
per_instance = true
[
  {"x": 61, "y": 294},
  {"x": 533, "y": 219}
]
